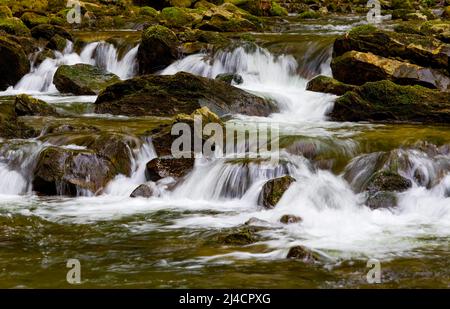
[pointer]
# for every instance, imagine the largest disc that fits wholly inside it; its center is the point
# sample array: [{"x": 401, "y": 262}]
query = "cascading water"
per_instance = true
[
  {"x": 268, "y": 75},
  {"x": 40, "y": 79},
  {"x": 224, "y": 193}
]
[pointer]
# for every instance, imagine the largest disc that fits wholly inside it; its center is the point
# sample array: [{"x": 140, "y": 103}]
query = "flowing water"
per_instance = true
[{"x": 171, "y": 240}]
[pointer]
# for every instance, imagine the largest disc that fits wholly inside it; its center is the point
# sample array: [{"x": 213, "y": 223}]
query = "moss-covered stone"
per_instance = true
[
  {"x": 327, "y": 84},
  {"x": 47, "y": 32},
  {"x": 14, "y": 26},
  {"x": 277, "y": 10},
  {"x": 417, "y": 49},
  {"x": 273, "y": 191},
  {"x": 82, "y": 79},
  {"x": 63, "y": 171},
  {"x": 386, "y": 101},
  {"x": 309, "y": 15},
  {"x": 26, "y": 105},
  {"x": 388, "y": 181},
  {"x": 11, "y": 126},
  {"x": 5, "y": 12},
  {"x": 358, "y": 68},
  {"x": 243, "y": 236},
  {"x": 158, "y": 49},
  {"x": 148, "y": 11},
  {"x": 179, "y": 17},
  {"x": 180, "y": 93},
  {"x": 31, "y": 19},
  {"x": 14, "y": 63}
]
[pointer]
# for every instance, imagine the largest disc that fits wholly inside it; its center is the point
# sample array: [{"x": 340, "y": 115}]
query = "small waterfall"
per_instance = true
[
  {"x": 270, "y": 76},
  {"x": 101, "y": 54},
  {"x": 17, "y": 160},
  {"x": 122, "y": 185}
]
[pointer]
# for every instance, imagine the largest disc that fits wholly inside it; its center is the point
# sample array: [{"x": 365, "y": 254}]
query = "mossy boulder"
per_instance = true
[
  {"x": 14, "y": 63},
  {"x": 273, "y": 191},
  {"x": 387, "y": 101},
  {"x": 14, "y": 26},
  {"x": 417, "y": 49},
  {"x": 158, "y": 49},
  {"x": 328, "y": 84},
  {"x": 11, "y": 126},
  {"x": 26, "y": 105},
  {"x": 228, "y": 18},
  {"x": 148, "y": 11},
  {"x": 47, "y": 32},
  {"x": 31, "y": 19},
  {"x": 180, "y": 93},
  {"x": 82, "y": 79},
  {"x": 5, "y": 12},
  {"x": 114, "y": 147},
  {"x": 176, "y": 17},
  {"x": 277, "y": 10},
  {"x": 358, "y": 68},
  {"x": 438, "y": 29},
  {"x": 388, "y": 181},
  {"x": 63, "y": 171}
]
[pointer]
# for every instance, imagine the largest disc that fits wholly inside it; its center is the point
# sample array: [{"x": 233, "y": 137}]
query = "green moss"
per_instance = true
[
  {"x": 278, "y": 10},
  {"x": 178, "y": 17},
  {"x": 148, "y": 11},
  {"x": 363, "y": 29},
  {"x": 401, "y": 4},
  {"x": 181, "y": 3},
  {"x": 5, "y": 12},
  {"x": 14, "y": 26},
  {"x": 32, "y": 19},
  {"x": 309, "y": 15}
]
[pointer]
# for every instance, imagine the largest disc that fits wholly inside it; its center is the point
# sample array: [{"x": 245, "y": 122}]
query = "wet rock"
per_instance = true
[
  {"x": 82, "y": 79},
  {"x": 227, "y": 18},
  {"x": 26, "y": 105},
  {"x": 180, "y": 93},
  {"x": 386, "y": 101},
  {"x": 67, "y": 172},
  {"x": 327, "y": 84},
  {"x": 14, "y": 63},
  {"x": 358, "y": 68},
  {"x": 230, "y": 78},
  {"x": 11, "y": 126},
  {"x": 243, "y": 236},
  {"x": 31, "y": 19},
  {"x": 168, "y": 167},
  {"x": 289, "y": 219},
  {"x": 114, "y": 147},
  {"x": 47, "y": 32},
  {"x": 417, "y": 49},
  {"x": 14, "y": 26},
  {"x": 304, "y": 254},
  {"x": 382, "y": 199},
  {"x": 439, "y": 29},
  {"x": 163, "y": 138},
  {"x": 57, "y": 42},
  {"x": 388, "y": 181},
  {"x": 257, "y": 222},
  {"x": 144, "y": 190},
  {"x": 176, "y": 17},
  {"x": 158, "y": 49},
  {"x": 273, "y": 191}
]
